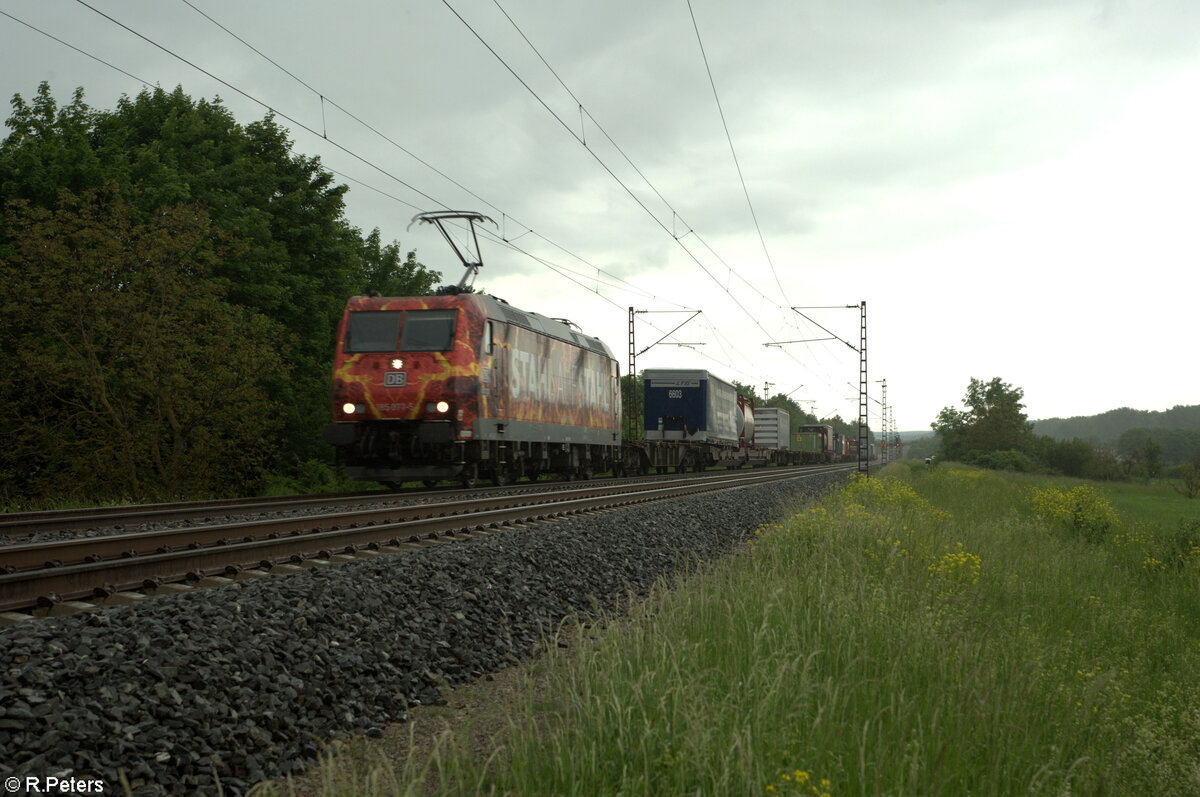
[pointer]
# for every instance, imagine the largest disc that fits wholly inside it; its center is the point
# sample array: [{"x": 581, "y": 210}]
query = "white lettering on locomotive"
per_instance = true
[{"x": 550, "y": 378}]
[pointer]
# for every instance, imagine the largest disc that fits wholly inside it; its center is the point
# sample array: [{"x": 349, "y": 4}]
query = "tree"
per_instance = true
[
  {"x": 1152, "y": 455},
  {"x": 282, "y": 247},
  {"x": 383, "y": 271},
  {"x": 1070, "y": 457},
  {"x": 633, "y": 404},
  {"x": 992, "y": 421},
  {"x": 124, "y": 372}
]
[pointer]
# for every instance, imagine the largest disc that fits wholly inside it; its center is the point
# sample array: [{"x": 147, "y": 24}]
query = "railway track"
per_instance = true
[
  {"x": 21, "y": 524},
  {"x": 71, "y": 575}
]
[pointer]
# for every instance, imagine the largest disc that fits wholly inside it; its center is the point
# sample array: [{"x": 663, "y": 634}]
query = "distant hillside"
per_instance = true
[{"x": 1107, "y": 427}]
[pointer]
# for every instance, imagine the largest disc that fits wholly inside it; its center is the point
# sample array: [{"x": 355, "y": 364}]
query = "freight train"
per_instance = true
[{"x": 468, "y": 387}]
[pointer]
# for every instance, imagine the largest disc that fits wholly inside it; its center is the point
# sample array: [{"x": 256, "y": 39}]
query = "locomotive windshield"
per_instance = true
[
  {"x": 373, "y": 331},
  {"x": 379, "y": 330},
  {"x": 428, "y": 330}
]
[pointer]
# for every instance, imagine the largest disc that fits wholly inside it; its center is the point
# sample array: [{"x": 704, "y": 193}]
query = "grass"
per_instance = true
[{"x": 930, "y": 631}]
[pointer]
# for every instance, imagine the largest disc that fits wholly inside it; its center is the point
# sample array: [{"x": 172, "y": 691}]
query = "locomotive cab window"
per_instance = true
[
  {"x": 428, "y": 330},
  {"x": 375, "y": 330}
]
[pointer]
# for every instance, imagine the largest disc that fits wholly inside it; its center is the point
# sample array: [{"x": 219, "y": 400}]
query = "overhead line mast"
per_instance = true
[
  {"x": 633, "y": 416},
  {"x": 864, "y": 462}
]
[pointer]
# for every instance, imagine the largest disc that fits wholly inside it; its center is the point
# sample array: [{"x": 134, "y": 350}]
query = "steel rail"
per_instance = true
[
  {"x": 28, "y": 588},
  {"x": 15, "y": 524},
  {"x": 59, "y": 553}
]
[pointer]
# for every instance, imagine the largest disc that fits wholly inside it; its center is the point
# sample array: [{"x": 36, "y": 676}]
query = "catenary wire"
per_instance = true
[
  {"x": 733, "y": 152},
  {"x": 306, "y": 128},
  {"x": 620, "y": 182}
]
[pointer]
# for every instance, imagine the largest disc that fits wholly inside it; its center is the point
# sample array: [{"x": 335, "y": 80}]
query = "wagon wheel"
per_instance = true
[
  {"x": 501, "y": 475},
  {"x": 430, "y": 483}
]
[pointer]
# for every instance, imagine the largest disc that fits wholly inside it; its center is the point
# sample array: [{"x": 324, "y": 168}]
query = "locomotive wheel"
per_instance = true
[
  {"x": 501, "y": 476},
  {"x": 430, "y": 483},
  {"x": 469, "y": 478}
]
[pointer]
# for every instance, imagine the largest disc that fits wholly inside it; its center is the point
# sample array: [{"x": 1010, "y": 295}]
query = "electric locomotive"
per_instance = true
[{"x": 466, "y": 386}]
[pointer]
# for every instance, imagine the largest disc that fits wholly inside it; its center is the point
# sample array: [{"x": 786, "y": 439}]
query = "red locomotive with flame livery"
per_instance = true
[{"x": 465, "y": 386}]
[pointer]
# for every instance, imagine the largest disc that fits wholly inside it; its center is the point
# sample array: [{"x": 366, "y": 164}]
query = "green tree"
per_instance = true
[
  {"x": 124, "y": 371},
  {"x": 283, "y": 248},
  {"x": 383, "y": 272},
  {"x": 1070, "y": 457},
  {"x": 1151, "y": 453},
  {"x": 991, "y": 422}
]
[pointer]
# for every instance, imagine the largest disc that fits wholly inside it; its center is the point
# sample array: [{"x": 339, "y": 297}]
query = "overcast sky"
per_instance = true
[{"x": 1010, "y": 186}]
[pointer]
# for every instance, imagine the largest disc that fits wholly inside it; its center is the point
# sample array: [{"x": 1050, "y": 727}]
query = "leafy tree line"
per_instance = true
[
  {"x": 1173, "y": 446},
  {"x": 1107, "y": 427},
  {"x": 170, "y": 284},
  {"x": 993, "y": 431}
]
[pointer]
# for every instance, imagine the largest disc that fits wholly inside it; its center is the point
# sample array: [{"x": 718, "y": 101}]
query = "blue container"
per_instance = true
[{"x": 690, "y": 405}]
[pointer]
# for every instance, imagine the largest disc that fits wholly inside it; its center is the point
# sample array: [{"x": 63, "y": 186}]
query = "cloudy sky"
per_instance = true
[{"x": 1010, "y": 186}]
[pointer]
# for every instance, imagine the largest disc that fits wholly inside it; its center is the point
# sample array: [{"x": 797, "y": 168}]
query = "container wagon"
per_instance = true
[
  {"x": 693, "y": 420},
  {"x": 772, "y": 432},
  {"x": 816, "y": 443}
]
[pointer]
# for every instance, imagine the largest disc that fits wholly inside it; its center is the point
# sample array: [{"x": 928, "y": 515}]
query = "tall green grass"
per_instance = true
[{"x": 930, "y": 631}]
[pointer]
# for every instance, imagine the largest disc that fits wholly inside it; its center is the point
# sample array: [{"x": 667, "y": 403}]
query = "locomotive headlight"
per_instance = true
[
  {"x": 348, "y": 408},
  {"x": 443, "y": 406}
]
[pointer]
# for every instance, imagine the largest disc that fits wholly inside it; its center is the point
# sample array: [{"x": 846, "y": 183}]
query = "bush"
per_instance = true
[
  {"x": 1190, "y": 474},
  {"x": 1082, "y": 512},
  {"x": 309, "y": 476},
  {"x": 1003, "y": 460},
  {"x": 1103, "y": 466},
  {"x": 1183, "y": 544}
]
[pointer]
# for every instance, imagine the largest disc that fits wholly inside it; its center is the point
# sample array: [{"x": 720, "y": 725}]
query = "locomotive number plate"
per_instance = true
[{"x": 395, "y": 379}]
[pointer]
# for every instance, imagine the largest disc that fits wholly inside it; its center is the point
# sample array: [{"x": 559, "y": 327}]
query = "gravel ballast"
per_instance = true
[{"x": 241, "y": 682}]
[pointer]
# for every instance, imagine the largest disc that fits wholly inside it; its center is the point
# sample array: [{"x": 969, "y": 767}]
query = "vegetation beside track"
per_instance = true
[{"x": 931, "y": 631}]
